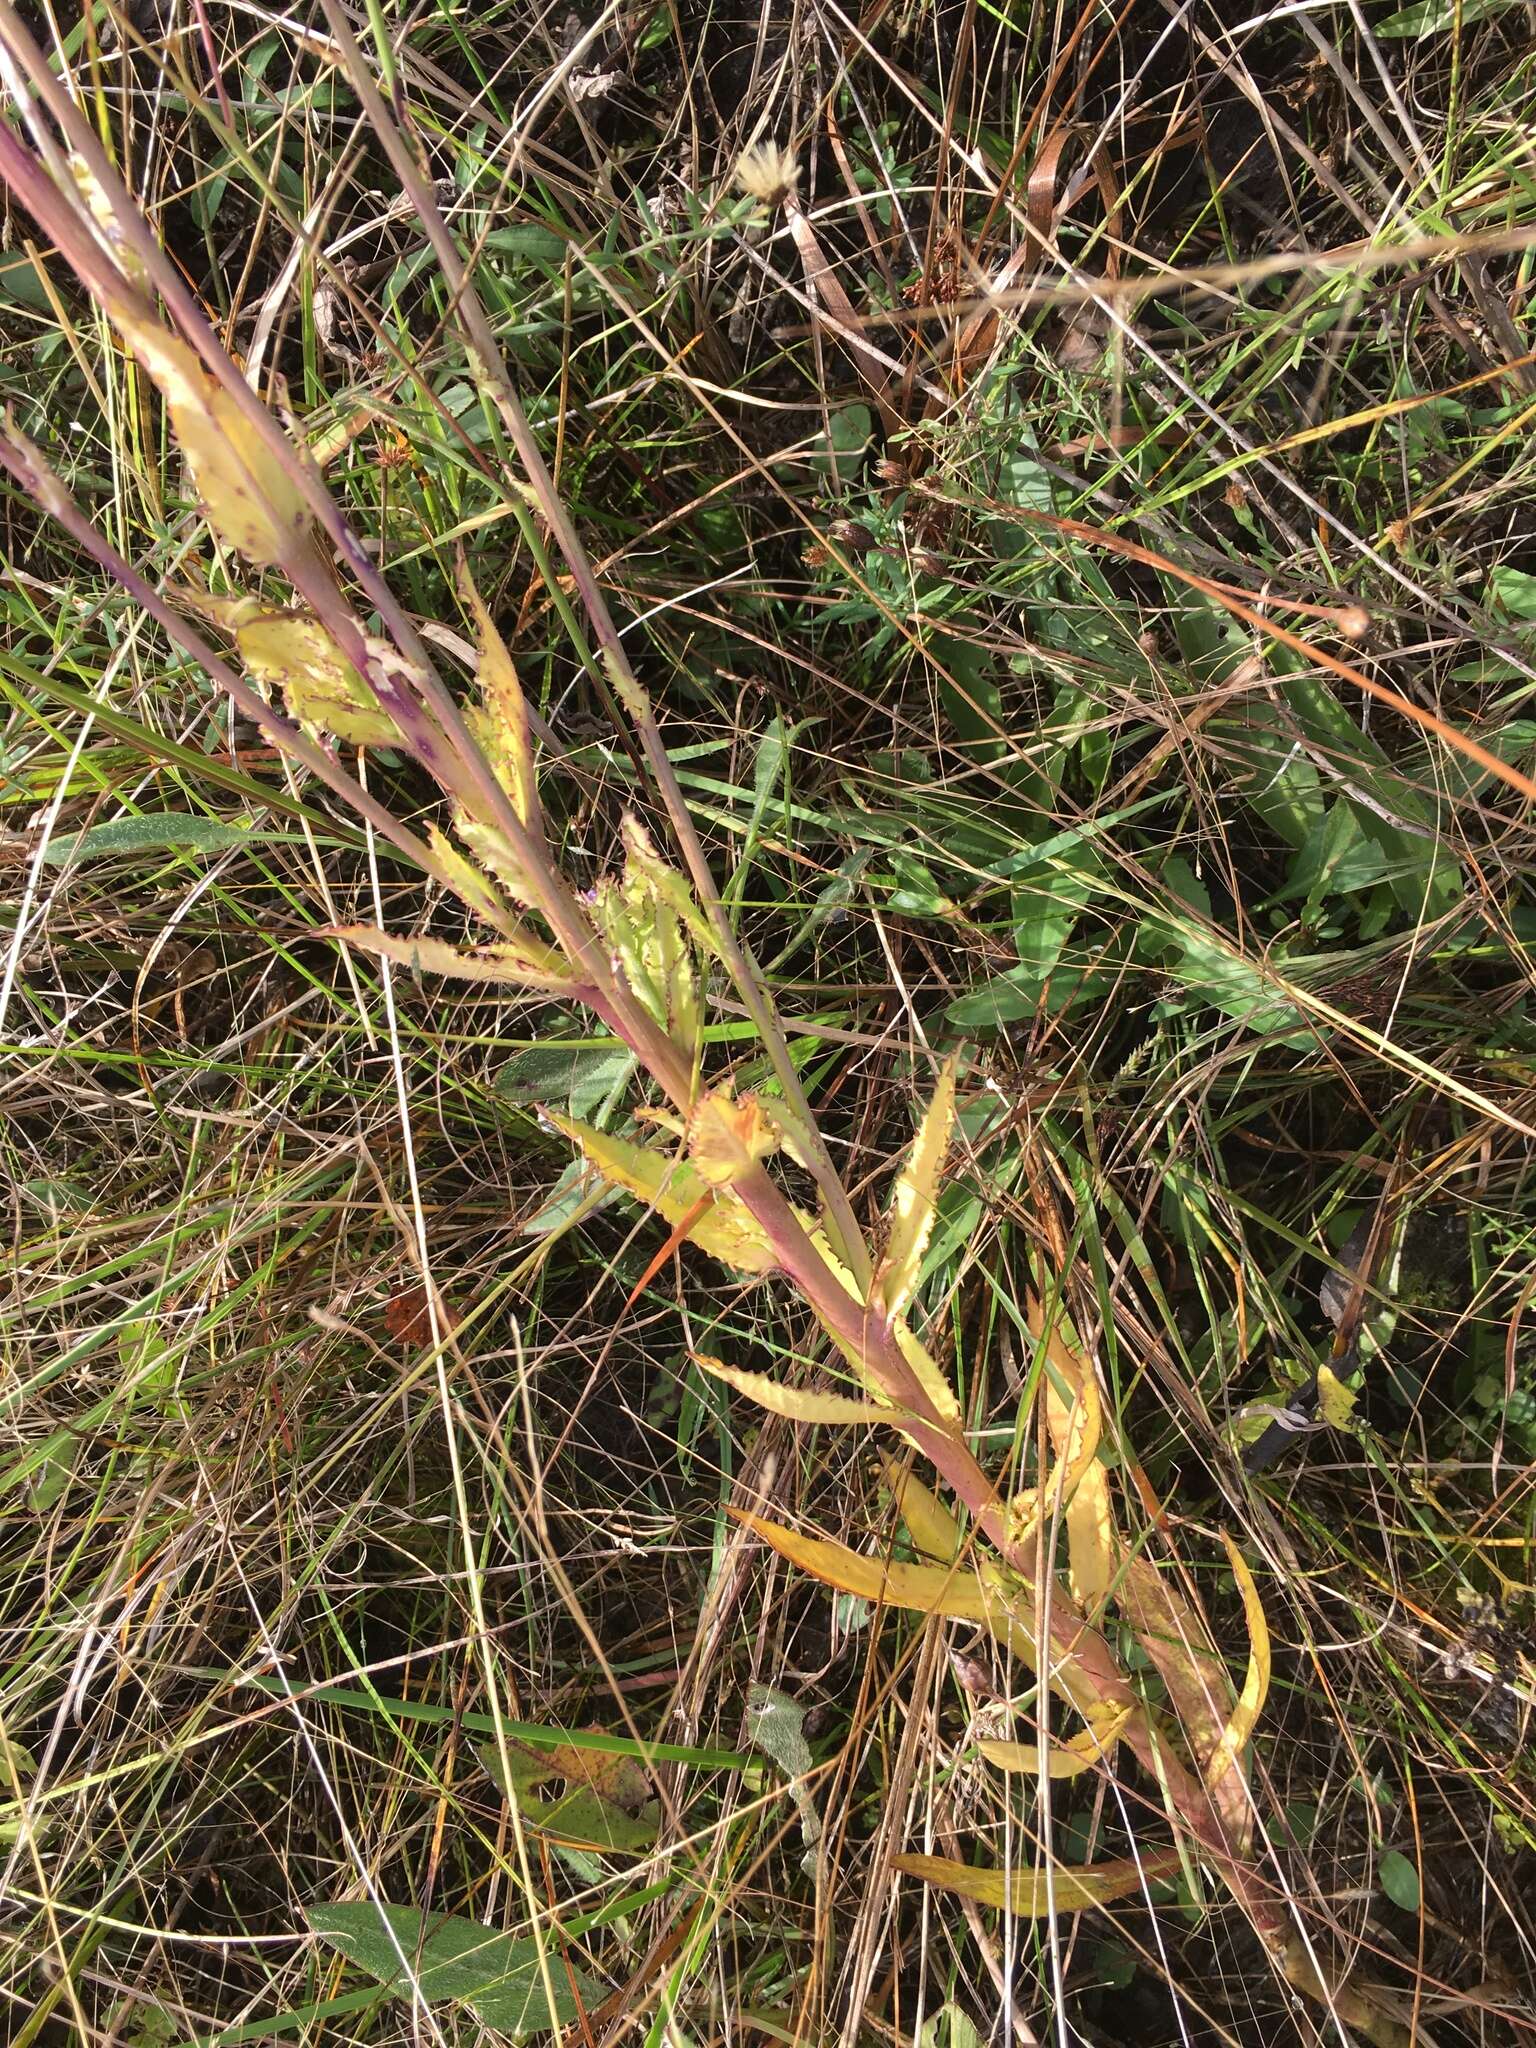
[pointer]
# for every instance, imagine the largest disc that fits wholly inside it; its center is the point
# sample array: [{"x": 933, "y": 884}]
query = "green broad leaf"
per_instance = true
[
  {"x": 1434, "y": 17},
  {"x": 458, "y": 1961},
  {"x": 971, "y": 696},
  {"x": 1399, "y": 1880},
  {"x": 581, "y": 1816},
  {"x": 1212, "y": 971},
  {"x": 581, "y": 1076},
  {"x": 160, "y": 832},
  {"x": 1273, "y": 774},
  {"x": 1515, "y": 589}
]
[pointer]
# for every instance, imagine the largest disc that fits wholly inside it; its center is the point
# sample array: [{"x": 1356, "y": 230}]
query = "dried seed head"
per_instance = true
[{"x": 767, "y": 172}]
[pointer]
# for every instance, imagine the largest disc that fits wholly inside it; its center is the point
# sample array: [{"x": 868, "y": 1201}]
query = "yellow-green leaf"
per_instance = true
[
  {"x": 524, "y": 960},
  {"x": 1032, "y": 1894},
  {"x": 502, "y": 724},
  {"x": 957, "y": 1592},
  {"x": 1226, "y": 1757},
  {"x": 1174, "y": 1635},
  {"x": 718, "y": 1222},
  {"x": 643, "y": 862},
  {"x": 916, "y": 1193},
  {"x": 1068, "y": 1758},
  {"x": 471, "y": 884},
  {"x": 253, "y": 503},
  {"x": 798, "y": 1404},
  {"x": 933, "y": 1529},
  {"x": 929, "y": 1377},
  {"x": 294, "y": 651},
  {"x": 104, "y": 217},
  {"x": 1335, "y": 1400},
  {"x": 727, "y": 1137},
  {"x": 1074, "y": 1420}
]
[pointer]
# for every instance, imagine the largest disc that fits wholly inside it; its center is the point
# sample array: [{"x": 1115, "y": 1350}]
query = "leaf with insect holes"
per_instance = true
[
  {"x": 717, "y": 1222},
  {"x": 1070, "y": 1757},
  {"x": 321, "y": 688},
  {"x": 523, "y": 961},
  {"x": 501, "y": 723},
  {"x": 959, "y": 1592},
  {"x": 1035, "y": 1894},
  {"x": 796, "y": 1404},
  {"x": 253, "y": 502},
  {"x": 916, "y": 1193},
  {"x": 1225, "y": 1759},
  {"x": 727, "y": 1137}
]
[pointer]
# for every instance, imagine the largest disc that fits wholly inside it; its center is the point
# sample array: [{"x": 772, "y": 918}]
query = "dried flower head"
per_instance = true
[{"x": 767, "y": 172}]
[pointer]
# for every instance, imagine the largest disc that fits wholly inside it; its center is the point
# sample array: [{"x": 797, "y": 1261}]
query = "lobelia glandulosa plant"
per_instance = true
[{"x": 637, "y": 952}]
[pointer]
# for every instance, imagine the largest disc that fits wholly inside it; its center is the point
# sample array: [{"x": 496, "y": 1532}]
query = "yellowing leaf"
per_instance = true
[
  {"x": 957, "y": 1592},
  {"x": 1032, "y": 1894},
  {"x": 648, "y": 920},
  {"x": 472, "y": 886},
  {"x": 1335, "y": 1401},
  {"x": 798, "y": 1404},
  {"x": 933, "y": 1529},
  {"x": 669, "y": 887},
  {"x": 1225, "y": 1758},
  {"x": 525, "y": 960},
  {"x": 1075, "y": 1424},
  {"x": 502, "y": 724},
  {"x": 718, "y": 1223},
  {"x": 929, "y": 1377},
  {"x": 253, "y": 503},
  {"x": 1175, "y": 1637},
  {"x": 494, "y": 851},
  {"x": 1068, "y": 1758},
  {"x": 294, "y": 651},
  {"x": 105, "y": 220},
  {"x": 916, "y": 1192},
  {"x": 727, "y": 1137}
]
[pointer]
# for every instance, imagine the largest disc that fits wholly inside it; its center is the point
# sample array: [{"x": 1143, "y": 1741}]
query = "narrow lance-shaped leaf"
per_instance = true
[
  {"x": 797, "y": 1404},
  {"x": 915, "y": 1196},
  {"x": 1033, "y": 1894},
  {"x": 1092, "y": 1541},
  {"x": 253, "y": 503},
  {"x": 526, "y": 962},
  {"x": 922, "y": 1588},
  {"x": 1226, "y": 1757},
  {"x": 1079, "y": 1457},
  {"x": 1174, "y": 1635},
  {"x": 717, "y": 1222},
  {"x": 502, "y": 723},
  {"x": 1070, "y": 1757},
  {"x": 933, "y": 1529}
]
